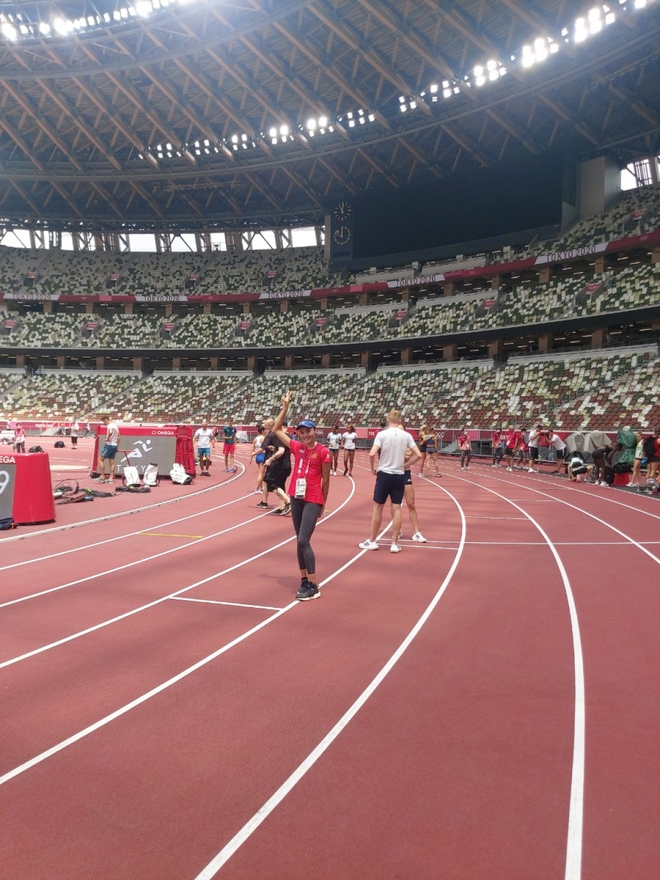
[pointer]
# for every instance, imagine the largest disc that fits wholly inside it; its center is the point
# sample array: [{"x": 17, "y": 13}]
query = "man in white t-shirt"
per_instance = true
[
  {"x": 555, "y": 441},
  {"x": 533, "y": 443},
  {"x": 387, "y": 458},
  {"x": 109, "y": 450},
  {"x": 204, "y": 437}
]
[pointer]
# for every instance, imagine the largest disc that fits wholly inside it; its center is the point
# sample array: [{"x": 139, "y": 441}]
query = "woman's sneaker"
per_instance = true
[
  {"x": 262, "y": 505},
  {"x": 308, "y": 591},
  {"x": 419, "y": 538}
]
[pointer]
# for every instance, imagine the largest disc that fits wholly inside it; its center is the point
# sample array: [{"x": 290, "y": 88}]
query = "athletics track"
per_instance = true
[{"x": 481, "y": 707}]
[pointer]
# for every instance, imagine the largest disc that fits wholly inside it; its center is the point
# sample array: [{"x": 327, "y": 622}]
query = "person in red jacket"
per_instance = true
[{"x": 310, "y": 482}]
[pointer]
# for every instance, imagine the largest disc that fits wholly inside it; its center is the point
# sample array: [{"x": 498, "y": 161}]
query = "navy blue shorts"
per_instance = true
[{"x": 389, "y": 486}]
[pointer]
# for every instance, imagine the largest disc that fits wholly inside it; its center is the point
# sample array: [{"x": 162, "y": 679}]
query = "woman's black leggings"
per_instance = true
[{"x": 304, "y": 515}]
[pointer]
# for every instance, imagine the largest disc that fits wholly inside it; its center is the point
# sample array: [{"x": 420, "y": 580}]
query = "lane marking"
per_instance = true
[
  {"x": 110, "y": 516},
  {"x": 166, "y": 535},
  {"x": 278, "y": 796},
  {"x": 123, "y": 537},
  {"x": 98, "y": 626},
  {"x": 573, "y": 866},
  {"x": 131, "y": 564},
  {"x": 217, "y": 602},
  {"x": 97, "y": 725}
]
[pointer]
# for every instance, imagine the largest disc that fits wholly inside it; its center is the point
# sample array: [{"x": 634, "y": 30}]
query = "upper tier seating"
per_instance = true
[
  {"x": 60, "y": 395},
  {"x": 148, "y": 274}
]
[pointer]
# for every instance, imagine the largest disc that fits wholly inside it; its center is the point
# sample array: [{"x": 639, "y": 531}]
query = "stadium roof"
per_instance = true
[{"x": 155, "y": 114}]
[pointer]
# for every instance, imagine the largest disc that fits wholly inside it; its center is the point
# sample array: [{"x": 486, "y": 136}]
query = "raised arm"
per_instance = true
[{"x": 279, "y": 421}]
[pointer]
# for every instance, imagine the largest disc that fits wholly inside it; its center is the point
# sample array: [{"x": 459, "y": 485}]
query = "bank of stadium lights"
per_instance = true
[{"x": 14, "y": 26}]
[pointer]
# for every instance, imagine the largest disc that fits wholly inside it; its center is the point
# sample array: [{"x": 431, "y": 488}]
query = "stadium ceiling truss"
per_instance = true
[{"x": 232, "y": 113}]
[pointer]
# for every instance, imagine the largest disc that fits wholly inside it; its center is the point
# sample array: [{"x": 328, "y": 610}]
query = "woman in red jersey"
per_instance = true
[{"x": 310, "y": 481}]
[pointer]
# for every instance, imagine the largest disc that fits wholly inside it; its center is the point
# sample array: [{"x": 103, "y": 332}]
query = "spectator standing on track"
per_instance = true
[
  {"x": 533, "y": 443},
  {"x": 229, "y": 445},
  {"x": 652, "y": 454},
  {"x": 389, "y": 469},
  {"x": 259, "y": 456},
  {"x": 75, "y": 430},
  {"x": 465, "y": 447},
  {"x": 512, "y": 439},
  {"x": 310, "y": 483},
  {"x": 636, "y": 475},
  {"x": 422, "y": 440},
  {"x": 334, "y": 439},
  {"x": 432, "y": 452},
  {"x": 348, "y": 441},
  {"x": 556, "y": 443},
  {"x": 19, "y": 438},
  {"x": 109, "y": 450},
  {"x": 409, "y": 498},
  {"x": 497, "y": 446},
  {"x": 205, "y": 439},
  {"x": 602, "y": 457},
  {"x": 277, "y": 465}
]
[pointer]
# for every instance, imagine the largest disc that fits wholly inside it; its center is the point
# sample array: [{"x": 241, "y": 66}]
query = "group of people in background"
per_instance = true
[{"x": 520, "y": 449}]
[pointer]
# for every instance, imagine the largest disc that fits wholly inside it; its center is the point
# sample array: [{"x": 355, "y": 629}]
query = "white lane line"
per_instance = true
[
  {"x": 97, "y": 725},
  {"x": 98, "y": 519},
  {"x": 92, "y": 577},
  {"x": 122, "y": 537},
  {"x": 200, "y": 583},
  {"x": 217, "y": 602},
  {"x": 627, "y": 538},
  {"x": 252, "y": 824},
  {"x": 573, "y": 867}
]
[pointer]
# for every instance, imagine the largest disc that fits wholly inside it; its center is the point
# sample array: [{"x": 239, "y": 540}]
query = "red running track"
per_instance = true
[{"x": 481, "y": 706}]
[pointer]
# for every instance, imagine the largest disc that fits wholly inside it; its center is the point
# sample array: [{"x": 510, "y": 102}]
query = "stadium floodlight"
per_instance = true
[
  {"x": 144, "y": 8},
  {"x": 284, "y": 130},
  {"x": 371, "y": 117},
  {"x": 62, "y": 27},
  {"x": 323, "y": 121},
  {"x": 311, "y": 125},
  {"x": 272, "y": 132},
  {"x": 9, "y": 31}
]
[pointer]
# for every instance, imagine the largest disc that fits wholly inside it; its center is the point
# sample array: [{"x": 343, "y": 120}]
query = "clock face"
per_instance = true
[
  {"x": 342, "y": 235},
  {"x": 343, "y": 211}
]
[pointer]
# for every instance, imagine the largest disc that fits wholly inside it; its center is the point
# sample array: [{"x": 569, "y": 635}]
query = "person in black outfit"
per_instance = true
[
  {"x": 277, "y": 466},
  {"x": 602, "y": 456}
]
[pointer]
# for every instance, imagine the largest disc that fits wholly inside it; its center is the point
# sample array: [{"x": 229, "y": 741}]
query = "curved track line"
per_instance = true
[
  {"x": 97, "y": 725},
  {"x": 174, "y": 595},
  {"x": 573, "y": 870},
  {"x": 122, "y": 537},
  {"x": 133, "y": 563},
  {"x": 110, "y": 516},
  {"x": 593, "y": 516},
  {"x": 252, "y": 824}
]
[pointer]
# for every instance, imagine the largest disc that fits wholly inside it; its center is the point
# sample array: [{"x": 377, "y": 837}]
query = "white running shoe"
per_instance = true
[
  {"x": 419, "y": 538},
  {"x": 395, "y": 548},
  {"x": 368, "y": 545},
  {"x": 530, "y": 470},
  {"x": 510, "y": 469}
]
